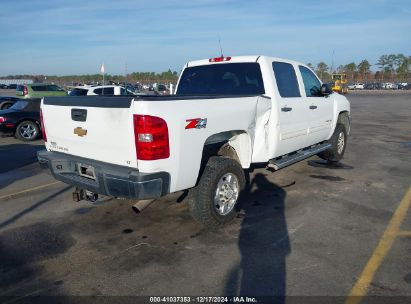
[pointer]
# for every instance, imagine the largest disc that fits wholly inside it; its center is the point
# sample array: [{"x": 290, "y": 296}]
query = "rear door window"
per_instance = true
[
  {"x": 222, "y": 79},
  {"x": 286, "y": 79},
  {"x": 311, "y": 83}
]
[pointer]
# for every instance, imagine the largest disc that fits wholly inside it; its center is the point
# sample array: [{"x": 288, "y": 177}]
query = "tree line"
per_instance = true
[
  {"x": 135, "y": 77},
  {"x": 392, "y": 67}
]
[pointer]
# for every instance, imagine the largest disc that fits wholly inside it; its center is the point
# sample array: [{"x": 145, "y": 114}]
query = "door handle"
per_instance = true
[
  {"x": 79, "y": 114},
  {"x": 312, "y": 107},
  {"x": 286, "y": 109}
]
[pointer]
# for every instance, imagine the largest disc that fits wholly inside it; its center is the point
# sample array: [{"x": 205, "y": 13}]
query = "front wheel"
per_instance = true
[
  {"x": 338, "y": 143},
  {"x": 27, "y": 131},
  {"x": 217, "y": 193}
]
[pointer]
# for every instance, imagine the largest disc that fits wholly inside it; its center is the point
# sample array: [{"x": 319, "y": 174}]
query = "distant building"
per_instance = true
[{"x": 16, "y": 81}]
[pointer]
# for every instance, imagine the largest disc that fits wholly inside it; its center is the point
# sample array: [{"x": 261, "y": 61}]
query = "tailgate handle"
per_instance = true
[{"x": 78, "y": 114}]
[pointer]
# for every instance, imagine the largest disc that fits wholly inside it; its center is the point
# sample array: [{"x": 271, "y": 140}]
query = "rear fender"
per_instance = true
[
  {"x": 242, "y": 145},
  {"x": 239, "y": 140}
]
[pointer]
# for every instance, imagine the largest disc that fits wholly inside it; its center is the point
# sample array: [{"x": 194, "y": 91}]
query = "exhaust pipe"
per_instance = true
[
  {"x": 78, "y": 194},
  {"x": 141, "y": 205}
]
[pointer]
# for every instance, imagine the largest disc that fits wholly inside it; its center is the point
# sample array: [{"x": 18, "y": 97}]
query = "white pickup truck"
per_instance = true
[{"x": 227, "y": 113}]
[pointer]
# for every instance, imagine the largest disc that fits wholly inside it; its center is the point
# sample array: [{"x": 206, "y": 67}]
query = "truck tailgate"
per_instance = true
[{"x": 98, "y": 128}]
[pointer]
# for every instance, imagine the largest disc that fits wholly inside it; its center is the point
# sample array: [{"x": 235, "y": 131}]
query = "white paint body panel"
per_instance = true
[
  {"x": 110, "y": 134},
  {"x": 264, "y": 131}
]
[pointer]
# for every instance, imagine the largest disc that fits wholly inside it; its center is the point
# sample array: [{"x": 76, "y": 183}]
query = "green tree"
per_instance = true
[
  {"x": 322, "y": 69},
  {"x": 377, "y": 76},
  {"x": 364, "y": 68},
  {"x": 383, "y": 63},
  {"x": 401, "y": 63},
  {"x": 350, "y": 69}
]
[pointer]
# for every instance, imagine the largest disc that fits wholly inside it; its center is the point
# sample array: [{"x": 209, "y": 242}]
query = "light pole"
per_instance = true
[{"x": 102, "y": 70}]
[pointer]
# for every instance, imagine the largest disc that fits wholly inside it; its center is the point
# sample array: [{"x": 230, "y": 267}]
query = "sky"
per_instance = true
[{"x": 66, "y": 37}]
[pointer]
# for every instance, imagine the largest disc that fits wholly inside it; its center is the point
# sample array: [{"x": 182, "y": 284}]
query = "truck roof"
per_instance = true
[{"x": 237, "y": 59}]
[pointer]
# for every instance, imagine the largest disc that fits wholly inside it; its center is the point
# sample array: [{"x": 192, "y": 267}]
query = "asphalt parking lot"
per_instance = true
[{"x": 307, "y": 230}]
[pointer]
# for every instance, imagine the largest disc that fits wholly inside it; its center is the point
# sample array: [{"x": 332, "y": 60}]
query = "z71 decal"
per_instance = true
[{"x": 196, "y": 123}]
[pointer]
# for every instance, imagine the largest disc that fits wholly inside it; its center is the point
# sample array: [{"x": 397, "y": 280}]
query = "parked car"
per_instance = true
[
  {"x": 22, "y": 120},
  {"x": 7, "y": 101},
  {"x": 162, "y": 89},
  {"x": 227, "y": 113},
  {"x": 387, "y": 85},
  {"x": 100, "y": 90},
  {"x": 356, "y": 86},
  {"x": 372, "y": 86},
  {"x": 39, "y": 90}
]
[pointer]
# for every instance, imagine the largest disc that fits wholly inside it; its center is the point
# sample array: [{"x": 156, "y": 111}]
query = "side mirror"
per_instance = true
[{"x": 326, "y": 89}]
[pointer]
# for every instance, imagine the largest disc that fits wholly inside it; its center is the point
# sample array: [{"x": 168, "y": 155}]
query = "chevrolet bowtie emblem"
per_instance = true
[{"x": 80, "y": 131}]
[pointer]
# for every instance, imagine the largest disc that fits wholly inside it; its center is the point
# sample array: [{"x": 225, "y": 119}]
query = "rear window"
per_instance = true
[
  {"x": 78, "y": 92},
  {"x": 222, "y": 79}
]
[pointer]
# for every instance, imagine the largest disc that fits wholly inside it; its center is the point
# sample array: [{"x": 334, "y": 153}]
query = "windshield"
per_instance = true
[
  {"x": 222, "y": 79},
  {"x": 19, "y": 105}
]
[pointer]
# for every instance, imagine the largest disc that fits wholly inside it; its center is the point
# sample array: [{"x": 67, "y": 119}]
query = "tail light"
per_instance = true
[
  {"x": 151, "y": 137},
  {"x": 2, "y": 119},
  {"x": 219, "y": 59},
  {"x": 25, "y": 91},
  {"x": 43, "y": 129}
]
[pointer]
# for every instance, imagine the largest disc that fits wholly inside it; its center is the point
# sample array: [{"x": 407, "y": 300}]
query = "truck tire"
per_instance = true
[
  {"x": 217, "y": 192},
  {"x": 338, "y": 143},
  {"x": 27, "y": 131}
]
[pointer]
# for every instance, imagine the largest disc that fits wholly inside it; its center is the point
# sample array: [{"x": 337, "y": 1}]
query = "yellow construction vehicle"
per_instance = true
[{"x": 339, "y": 83}]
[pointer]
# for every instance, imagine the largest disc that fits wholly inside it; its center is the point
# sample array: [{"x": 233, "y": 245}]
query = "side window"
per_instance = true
[
  {"x": 104, "y": 91},
  {"x": 39, "y": 88},
  {"x": 53, "y": 88},
  {"x": 311, "y": 83},
  {"x": 108, "y": 91},
  {"x": 286, "y": 79}
]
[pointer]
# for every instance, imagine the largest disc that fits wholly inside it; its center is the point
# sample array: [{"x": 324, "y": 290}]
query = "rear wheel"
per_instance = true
[
  {"x": 338, "y": 143},
  {"x": 5, "y": 105},
  {"x": 217, "y": 193},
  {"x": 27, "y": 131}
]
